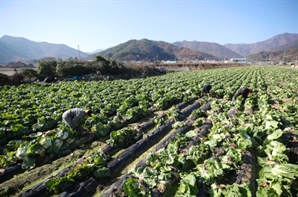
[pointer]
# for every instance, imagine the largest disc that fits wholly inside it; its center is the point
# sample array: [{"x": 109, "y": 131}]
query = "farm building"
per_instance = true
[{"x": 238, "y": 60}]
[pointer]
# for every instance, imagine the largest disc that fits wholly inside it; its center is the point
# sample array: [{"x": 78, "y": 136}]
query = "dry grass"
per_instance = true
[{"x": 10, "y": 71}]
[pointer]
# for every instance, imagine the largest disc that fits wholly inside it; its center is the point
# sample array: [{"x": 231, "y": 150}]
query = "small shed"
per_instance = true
[{"x": 239, "y": 60}]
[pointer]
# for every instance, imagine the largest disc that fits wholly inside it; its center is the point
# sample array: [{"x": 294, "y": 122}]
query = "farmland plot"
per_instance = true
[{"x": 154, "y": 136}]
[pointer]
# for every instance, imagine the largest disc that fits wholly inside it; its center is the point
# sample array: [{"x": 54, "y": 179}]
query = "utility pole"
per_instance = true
[
  {"x": 269, "y": 59},
  {"x": 79, "y": 52},
  {"x": 283, "y": 60}
]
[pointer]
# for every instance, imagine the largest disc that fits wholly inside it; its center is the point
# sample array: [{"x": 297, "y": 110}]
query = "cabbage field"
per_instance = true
[{"x": 154, "y": 136}]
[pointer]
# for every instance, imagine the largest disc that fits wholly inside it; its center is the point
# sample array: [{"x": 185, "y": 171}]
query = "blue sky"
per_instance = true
[{"x": 98, "y": 24}]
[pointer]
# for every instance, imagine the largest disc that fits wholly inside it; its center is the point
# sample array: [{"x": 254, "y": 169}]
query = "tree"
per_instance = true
[
  {"x": 98, "y": 58},
  {"x": 47, "y": 68},
  {"x": 29, "y": 73},
  {"x": 70, "y": 68}
]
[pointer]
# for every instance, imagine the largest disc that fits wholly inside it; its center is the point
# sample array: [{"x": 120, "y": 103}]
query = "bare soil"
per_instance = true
[{"x": 10, "y": 71}]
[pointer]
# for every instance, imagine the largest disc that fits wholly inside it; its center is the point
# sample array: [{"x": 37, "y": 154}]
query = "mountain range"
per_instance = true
[
  {"x": 22, "y": 49},
  {"x": 148, "y": 50},
  {"x": 284, "y": 53},
  {"x": 267, "y": 45},
  {"x": 214, "y": 49}
]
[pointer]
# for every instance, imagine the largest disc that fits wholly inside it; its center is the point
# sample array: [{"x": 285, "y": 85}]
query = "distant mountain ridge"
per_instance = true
[
  {"x": 136, "y": 50},
  {"x": 292, "y": 45},
  {"x": 212, "y": 48},
  {"x": 96, "y": 51},
  {"x": 183, "y": 53},
  {"x": 9, "y": 53},
  {"x": 284, "y": 53},
  {"x": 267, "y": 45},
  {"x": 22, "y": 49},
  {"x": 148, "y": 50}
]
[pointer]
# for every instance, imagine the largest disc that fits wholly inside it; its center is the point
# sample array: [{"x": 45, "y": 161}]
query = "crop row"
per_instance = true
[
  {"x": 248, "y": 157},
  {"x": 241, "y": 150}
]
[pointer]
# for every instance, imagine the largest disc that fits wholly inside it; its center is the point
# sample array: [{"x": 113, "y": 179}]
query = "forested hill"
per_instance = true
[
  {"x": 266, "y": 45},
  {"x": 285, "y": 53},
  {"x": 208, "y": 47},
  {"x": 148, "y": 50}
]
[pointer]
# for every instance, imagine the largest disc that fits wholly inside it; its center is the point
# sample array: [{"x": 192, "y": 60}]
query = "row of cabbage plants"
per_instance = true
[
  {"x": 247, "y": 153},
  {"x": 34, "y": 111},
  {"x": 266, "y": 126}
]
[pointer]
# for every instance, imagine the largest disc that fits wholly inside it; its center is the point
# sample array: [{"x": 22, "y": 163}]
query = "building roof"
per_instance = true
[{"x": 239, "y": 58}]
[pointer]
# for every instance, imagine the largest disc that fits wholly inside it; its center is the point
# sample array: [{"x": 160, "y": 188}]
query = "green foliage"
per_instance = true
[
  {"x": 231, "y": 190},
  {"x": 187, "y": 186},
  {"x": 133, "y": 188},
  {"x": 122, "y": 136},
  {"x": 29, "y": 73},
  {"x": 198, "y": 153},
  {"x": 44, "y": 123},
  {"x": 59, "y": 184},
  {"x": 102, "y": 172},
  {"x": 214, "y": 161},
  {"x": 278, "y": 178},
  {"x": 72, "y": 67},
  {"x": 77, "y": 172},
  {"x": 47, "y": 68},
  {"x": 100, "y": 59}
]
